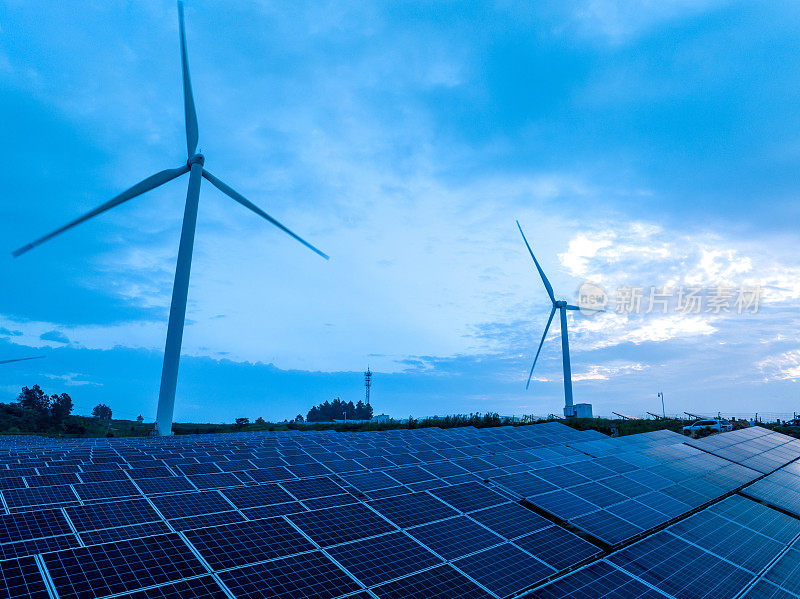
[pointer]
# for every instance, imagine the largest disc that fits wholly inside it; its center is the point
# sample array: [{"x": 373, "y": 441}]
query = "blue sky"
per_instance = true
[{"x": 639, "y": 144}]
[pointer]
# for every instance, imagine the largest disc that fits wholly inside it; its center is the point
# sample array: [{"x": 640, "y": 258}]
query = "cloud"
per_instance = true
[
  {"x": 781, "y": 367},
  {"x": 54, "y": 335},
  {"x": 72, "y": 379},
  {"x": 4, "y": 332}
]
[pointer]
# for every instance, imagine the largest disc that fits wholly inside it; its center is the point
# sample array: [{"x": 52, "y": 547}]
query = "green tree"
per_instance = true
[
  {"x": 139, "y": 419},
  {"x": 259, "y": 420},
  {"x": 34, "y": 398},
  {"x": 60, "y": 407},
  {"x": 240, "y": 422},
  {"x": 102, "y": 412}
]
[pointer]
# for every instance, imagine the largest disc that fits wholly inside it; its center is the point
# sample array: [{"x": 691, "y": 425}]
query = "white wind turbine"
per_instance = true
[
  {"x": 180, "y": 289},
  {"x": 562, "y": 306}
]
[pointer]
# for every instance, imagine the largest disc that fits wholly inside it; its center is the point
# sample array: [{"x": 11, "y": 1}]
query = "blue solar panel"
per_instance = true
[
  {"x": 340, "y": 524},
  {"x": 455, "y": 537},
  {"x": 100, "y": 570},
  {"x": 21, "y": 578},
  {"x": 442, "y": 582},
  {"x": 380, "y": 559},
  {"x": 413, "y": 509},
  {"x": 247, "y": 542},
  {"x": 308, "y": 575},
  {"x": 504, "y": 569},
  {"x": 597, "y": 580}
]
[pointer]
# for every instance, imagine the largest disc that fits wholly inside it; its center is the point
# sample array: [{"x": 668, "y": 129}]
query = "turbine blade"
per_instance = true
[
  {"x": 546, "y": 328},
  {"x": 188, "y": 98},
  {"x": 571, "y": 307},
  {"x": 248, "y": 204},
  {"x": 138, "y": 189},
  {"x": 539, "y": 268},
  {"x": 20, "y": 359}
]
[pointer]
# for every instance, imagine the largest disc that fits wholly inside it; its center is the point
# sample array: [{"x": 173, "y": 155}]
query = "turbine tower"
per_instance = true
[
  {"x": 180, "y": 289},
  {"x": 562, "y": 306}
]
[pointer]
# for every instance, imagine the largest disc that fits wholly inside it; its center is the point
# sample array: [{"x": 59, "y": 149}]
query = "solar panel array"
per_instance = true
[{"x": 540, "y": 510}]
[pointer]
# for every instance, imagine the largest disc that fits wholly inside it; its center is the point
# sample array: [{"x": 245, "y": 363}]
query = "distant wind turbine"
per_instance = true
[
  {"x": 20, "y": 359},
  {"x": 180, "y": 289},
  {"x": 562, "y": 306}
]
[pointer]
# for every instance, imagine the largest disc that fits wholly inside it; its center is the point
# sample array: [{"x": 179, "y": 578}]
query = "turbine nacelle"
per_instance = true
[{"x": 196, "y": 159}]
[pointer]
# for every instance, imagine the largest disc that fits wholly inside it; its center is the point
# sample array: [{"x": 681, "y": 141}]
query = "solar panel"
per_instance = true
[
  {"x": 245, "y": 543},
  {"x": 413, "y": 509},
  {"x": 675, "y": 566},
  {"x": 558, "y": 548},
  {"x": 455, "y": 537},
  {"x": 100, "y": 570},
  {"x": 341, "y": 524},
  {"x": 121, "y": 533},
  {"x": 597, "y": 580},
  {"x": 203, "y": 587},
  {"x": 110, "y": 514},
  {"x": 21, "y": 578},
  {"x": 203, "y": 520},
  {"x": 786, "y": 572},
  {"x": 510, "y": 520},
  {"x": 468, "y": 496},
  {"x": 39, "y": 496},
  {"x": 34, "y": 546},
  {"x": 308, "y": 575},
  {"x": 381, "y": 559},
  {"x": 504, "y": 569},
  {"x": 191, "y": 504},
  {"x": 311, "y": 487},
  {"x": 442, "y": 582},
  {"x": 33, "y": 525}
]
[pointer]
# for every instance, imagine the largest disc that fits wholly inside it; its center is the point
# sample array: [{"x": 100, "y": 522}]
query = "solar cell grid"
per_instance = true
[
  {"x": 120, "y": 533},
  {"x": 247, "y": 542},
  {"x": 32, "y": 547},
  {"x": 111, "y": 514},
  {"x": 203, "y": 587},
  {"x": 413, "y": 509},
  {"x": 455, "y": 537},
  {"x": 468, "y": 497},
  {"x": 674, "y": 566},
  {"x": 191, "y": 504},
  {"x": 106, "y": 490},
  {"x": 32, "y": 525},
  {"x": 504, "y": 569},
  {"x": 341, "y": 524},
  {"x": 312, "y": 487},
  {"x": 380, "y": 559},
  {"x": 21, "y": 578},
  {"x": 510, "y": 520},
  {"x": 442, "y": 582},
  {"x": 597, "y": 580},
  {"x": 36, "y": 496},
  {"x": 309, "y": 575},
  {"x": 100, "y": 570}
]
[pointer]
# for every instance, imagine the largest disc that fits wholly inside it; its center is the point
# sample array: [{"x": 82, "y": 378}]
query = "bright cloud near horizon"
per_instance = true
[{"x": 640, "y": 145}]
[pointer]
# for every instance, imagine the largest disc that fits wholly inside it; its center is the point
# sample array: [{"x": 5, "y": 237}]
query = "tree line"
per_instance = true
[
  {"x": 34, "y": 411},
  {"x": 339, "y": 410}
]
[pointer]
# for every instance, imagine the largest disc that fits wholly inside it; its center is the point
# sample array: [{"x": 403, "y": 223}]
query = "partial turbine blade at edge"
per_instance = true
[
  {"x": 547, "y": 285},
  {"x": 546, "y": 328},
  {"x": 20, "y": 359},
  {"x": 229, "y": 191},
  {"x": 150, "y": 183},
  {"x": 188, "y": 98}
]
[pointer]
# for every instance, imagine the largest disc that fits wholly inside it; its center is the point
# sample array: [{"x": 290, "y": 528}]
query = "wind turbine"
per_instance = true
[
  {"x": 20, "y": 359},
  {"x": 562, "y": 306},
  {"x": 180, "y": 289}
]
